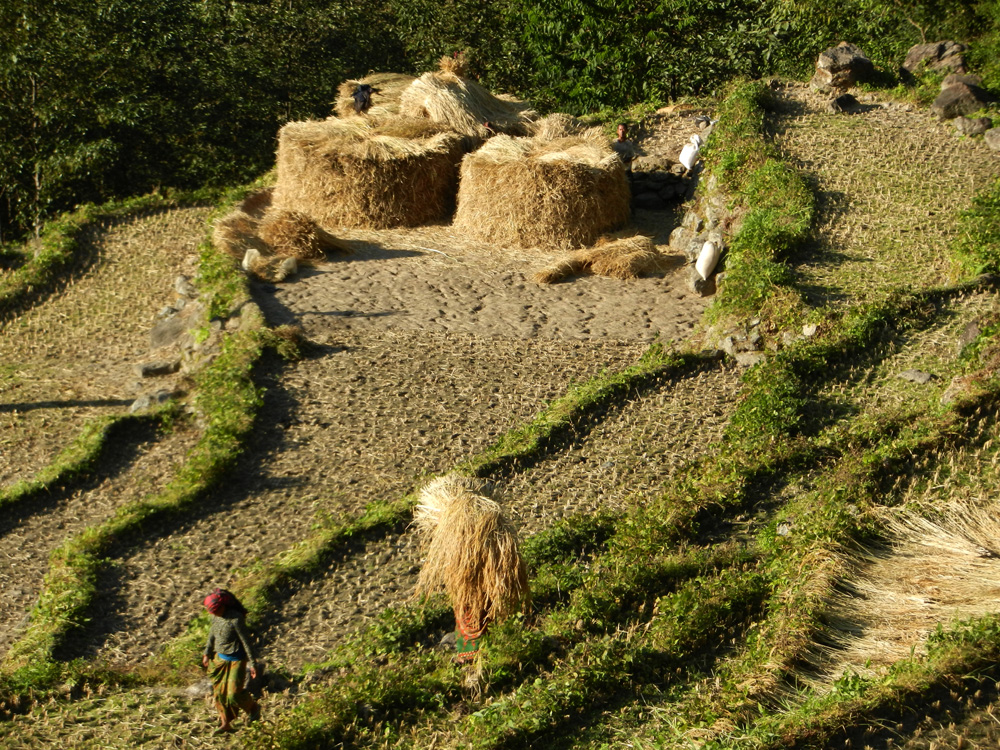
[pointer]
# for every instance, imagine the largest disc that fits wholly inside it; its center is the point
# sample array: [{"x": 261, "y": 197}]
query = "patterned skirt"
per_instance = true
[{"x": 228, "y": 680}]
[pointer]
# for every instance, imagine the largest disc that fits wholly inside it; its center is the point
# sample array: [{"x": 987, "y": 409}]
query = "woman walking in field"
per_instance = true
[{"x": 229, "y": 644}]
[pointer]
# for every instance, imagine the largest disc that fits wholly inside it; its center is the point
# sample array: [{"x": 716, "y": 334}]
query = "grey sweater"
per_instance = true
[{"x": 228, "y": 635}]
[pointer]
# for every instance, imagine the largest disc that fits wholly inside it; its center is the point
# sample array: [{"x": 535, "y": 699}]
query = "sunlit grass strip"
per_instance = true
[
  {"x": 957, "y": 657},
  {"x": 59, "y": 250},
  {"x": 777, "y": 207},
  {"x": 689, "y": 624},
  {"x": 79, "y": 459},
  {"x": 977, "y": 248}
]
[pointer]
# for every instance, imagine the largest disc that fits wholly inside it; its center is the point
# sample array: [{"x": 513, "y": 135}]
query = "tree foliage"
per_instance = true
[{"x": 112, "y": 98}]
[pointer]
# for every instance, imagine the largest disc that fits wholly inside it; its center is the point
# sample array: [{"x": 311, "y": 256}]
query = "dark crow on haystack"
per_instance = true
[{"x": 362, "y": 97}]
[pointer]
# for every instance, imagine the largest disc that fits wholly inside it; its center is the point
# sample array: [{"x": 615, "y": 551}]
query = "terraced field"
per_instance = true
[{"x": 697, "y": 581}]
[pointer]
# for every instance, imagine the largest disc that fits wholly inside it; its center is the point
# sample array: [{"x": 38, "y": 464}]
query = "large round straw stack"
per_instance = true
[
  {"x": 559, "y": 193},
  {"x": 464, "y": 106},
  {"x": 365, "y": 173},
  {"x": 386, "y": 88},
  {"x": 471, "y": 550}
]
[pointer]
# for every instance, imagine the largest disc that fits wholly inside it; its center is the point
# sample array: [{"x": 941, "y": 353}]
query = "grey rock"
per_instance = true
[
  {"x": 952, "y": 78},
  {"x": 728, "y": 345},
  {"x": 843, "y": 103},
  {"x": 447, "y": 641},
  {"x": 992, "y": 138},
  {"x": 692, "y": 222},
  {"x": 198, "y": 690},
  {"x": 946, "y": 55},
  {"x": 969, "y": 334},
  {"x": 184, "y": 287},
  {"x": 149, "y": 400},
  {"x": 916, "y": 376},
  {"x": 972, "y": 126},
  {"x": 955, "y": 389},
  {"x": 749, "y": 359},
  {"x": 680, "y": 237},
  {"x": 698, "y": 285},
  {"x": 156, "y": 369},
  {"x": 960, "y": 99},
  {"x": 648, "y": 163},
  {"x": 167, "y": 332},
  {"x": 841, "y": 67},
  {"x": 809, "y": 330}
]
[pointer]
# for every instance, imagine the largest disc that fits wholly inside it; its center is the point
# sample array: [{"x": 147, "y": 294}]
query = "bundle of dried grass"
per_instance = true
[
  {"x": 557, "y": 125},
  {"x": 386, "y": 90},
  {"x": 235, "y": 233},
  {"x": 471, "y": 550},
  {"x": 623, "y": 258},
  {"x": 464, "y": 106},
  {"x": 456, "y": 64},
  {"x": 292, "y": 234},
  {"x": 559, "y": 193},
  {"x": 366, "y": 173},
  {"x": 939, "y": 566}
]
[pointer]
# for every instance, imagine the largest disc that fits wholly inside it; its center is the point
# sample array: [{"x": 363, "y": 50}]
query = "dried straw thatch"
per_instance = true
[
  {"x": 367, "y": 174},
  {"x": 386, "y": 90},
  {"x": 557, "y": 125},
  {"x": 292, "y": 234},
  {"x": 936, "y": 569},
  {"x": 559, "y": 193},
  {"x": 464, "y": 106},
  {"x": 471, "y": 550},
  {"x": 623, "y": 258},
  {"x": 235, "y": 233}
]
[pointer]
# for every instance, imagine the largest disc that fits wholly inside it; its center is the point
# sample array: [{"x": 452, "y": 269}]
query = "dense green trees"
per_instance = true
[{"x": 116, "y": 97}]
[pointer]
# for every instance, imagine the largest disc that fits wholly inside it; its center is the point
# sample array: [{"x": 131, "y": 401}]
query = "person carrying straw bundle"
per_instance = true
[{"x": 472, "y": 553}]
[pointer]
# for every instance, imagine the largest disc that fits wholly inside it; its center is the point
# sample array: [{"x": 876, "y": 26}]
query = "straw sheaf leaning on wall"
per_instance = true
[
  {"x": 368, "y": 173},
  {"x": 538, "y": 192},
  {"x": 464, "y": 106},
  {"x": 386, "y": 87}
]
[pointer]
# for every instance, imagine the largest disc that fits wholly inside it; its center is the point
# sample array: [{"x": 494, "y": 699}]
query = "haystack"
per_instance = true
[
  {"x": 623, "y": 258},
  {"x": 464, "y": 106},
  {"x": 471, "y": 551},
  {"x": 366, "y": 173},
  {"x": 386, "y": 90},
  {"x": 559, "y": 193}
]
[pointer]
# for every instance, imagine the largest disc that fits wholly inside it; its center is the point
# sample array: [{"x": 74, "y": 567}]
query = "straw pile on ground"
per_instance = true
[
  {"x": 263, "y": 238},
  {"x": 365, "y": 173},
  {"x": 386, "y": 91},
  {"x": 936, "y": 569},
  {"x": 622, "y": 258},
  {"x": 464, "y": 106},
  {"x": 559, "y": 193},
  {"x": 557, "y": 125},
  {"x": 471, "y": 550}
]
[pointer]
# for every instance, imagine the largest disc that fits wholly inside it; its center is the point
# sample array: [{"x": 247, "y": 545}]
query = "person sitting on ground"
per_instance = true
[{"x": 229, "y": 644}]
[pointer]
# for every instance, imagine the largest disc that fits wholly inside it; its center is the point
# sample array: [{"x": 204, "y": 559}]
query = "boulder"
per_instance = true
[
  {"x": 843, "y": 103},
  {"x": 960, "y": 99},
  {"x": 841, "y": 67},
  {"x": 969, "y": 80},
  {"x": 939, "y": 56},
  {"x": 992, "y": 138},
  {"x": 972, "y": 126}
]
